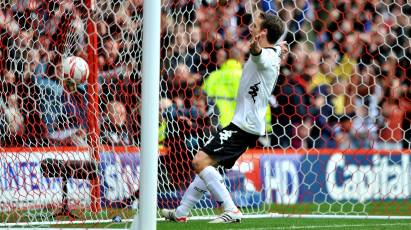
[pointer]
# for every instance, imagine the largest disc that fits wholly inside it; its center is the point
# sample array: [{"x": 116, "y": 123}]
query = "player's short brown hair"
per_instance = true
[{"x": 274, "y": 26}]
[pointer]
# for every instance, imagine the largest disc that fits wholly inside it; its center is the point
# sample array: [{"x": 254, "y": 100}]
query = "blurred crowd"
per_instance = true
[{"x": 346, "y": 82}]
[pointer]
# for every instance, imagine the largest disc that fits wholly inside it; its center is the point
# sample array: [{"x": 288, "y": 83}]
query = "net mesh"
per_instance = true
[{"x": 338, "y": 123}]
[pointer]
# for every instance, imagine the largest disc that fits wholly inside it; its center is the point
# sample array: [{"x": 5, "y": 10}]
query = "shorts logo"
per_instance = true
[
  {"x": 209, "y": 141},
  {"x": 216, "y": 150},
  {"x": 225, "y": 134}
]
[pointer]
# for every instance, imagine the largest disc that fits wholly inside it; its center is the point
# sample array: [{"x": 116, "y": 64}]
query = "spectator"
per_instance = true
[
  {"x": 290, "y": 102},
  {"x": 190, "y": 117},
  {"x": 110, "y": 55},
  {"x": 406, "y": 125},
  {"x": 302, "y": 137},
  {"x": 63, "y": 108},
  {"x": 221, "y": 86},
  {"x": 296, "y": 14},
  {"x": 327, "y": 66},
  {"x": 343, "y": 133},
  {"x": 393, "y": 109},
  {"x": 11, "y": 119},
  {"x": 183, "y": 51},
  {"x": 363, "y": 100},
  {"x": 36, "y": 131},
  {"x": 289, "y": 110},
  {"x": 363, "y": 45},
  {"x": 2, "y": 59},
  {"x": 11, "y": 122},
  {"x": 114, "y": 130},
  {"x": 320, "y": 113}
]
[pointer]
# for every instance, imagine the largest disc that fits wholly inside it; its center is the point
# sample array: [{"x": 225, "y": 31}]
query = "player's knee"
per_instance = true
[
  {"x": 200, "y": 161},
  {"x": 197, "y": 165}
]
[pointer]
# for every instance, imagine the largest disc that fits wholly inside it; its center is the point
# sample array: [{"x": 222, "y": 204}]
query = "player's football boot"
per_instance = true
[
  {"x": 228, "y": 217},
  {"x": 170, "y": 214}
]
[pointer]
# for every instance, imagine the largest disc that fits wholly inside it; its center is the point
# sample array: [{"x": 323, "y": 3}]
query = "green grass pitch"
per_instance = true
[
  {"x": 397, "y": 208},
  {"x": 271, "y": 223}
]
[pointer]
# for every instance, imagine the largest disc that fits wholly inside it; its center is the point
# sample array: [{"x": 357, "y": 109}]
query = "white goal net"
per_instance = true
[{"x": 338, "y": 134}]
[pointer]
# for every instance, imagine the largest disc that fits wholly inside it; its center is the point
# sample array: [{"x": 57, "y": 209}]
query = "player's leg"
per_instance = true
[
  {"x": 207, "y": 178},
  {"x": 203, "y": 165},
  {"x": 193, "y": 193},
  {"x": 223, "y": 149},
  {"x": 190, "y": 198},
  {"x": 196, "y": 189}
]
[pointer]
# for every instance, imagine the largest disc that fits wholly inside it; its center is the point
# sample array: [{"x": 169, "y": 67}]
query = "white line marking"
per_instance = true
[{"x": 327, "y": 226}]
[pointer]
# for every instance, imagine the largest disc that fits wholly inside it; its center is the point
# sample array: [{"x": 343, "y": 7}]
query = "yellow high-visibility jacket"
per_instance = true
[{"x": 222, "y": 86}]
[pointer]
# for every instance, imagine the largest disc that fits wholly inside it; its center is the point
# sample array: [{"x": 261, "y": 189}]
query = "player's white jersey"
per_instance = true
[{"x": 259, "y": 76}]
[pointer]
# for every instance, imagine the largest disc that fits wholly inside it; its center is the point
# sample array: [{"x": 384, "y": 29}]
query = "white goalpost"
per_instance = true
[{"x": 147, "y": 215}]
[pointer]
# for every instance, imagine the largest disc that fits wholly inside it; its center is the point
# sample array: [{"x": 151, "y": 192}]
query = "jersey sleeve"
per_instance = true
[{"x": 267, "y": 57}]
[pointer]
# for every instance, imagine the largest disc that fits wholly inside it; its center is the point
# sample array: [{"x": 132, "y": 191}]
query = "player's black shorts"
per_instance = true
[{"x": 227, "y": 145}]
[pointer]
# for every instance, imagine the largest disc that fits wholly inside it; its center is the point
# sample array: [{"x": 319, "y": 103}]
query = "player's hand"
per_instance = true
[
  {"x": 255, "y": 47},
  {"x": 284, "y": 49}
]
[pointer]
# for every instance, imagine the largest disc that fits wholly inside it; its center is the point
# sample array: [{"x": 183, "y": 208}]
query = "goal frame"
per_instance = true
[
  {"x": 93, "y": 104},
  {"x": 146, "y": 218}
]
